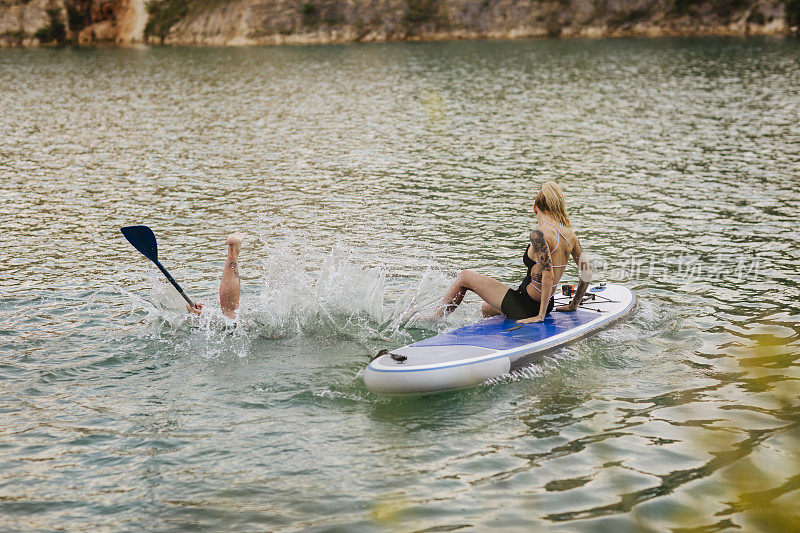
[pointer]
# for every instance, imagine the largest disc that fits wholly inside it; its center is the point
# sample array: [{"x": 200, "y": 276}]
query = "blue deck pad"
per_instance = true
[{"x": 491, "y": 332}]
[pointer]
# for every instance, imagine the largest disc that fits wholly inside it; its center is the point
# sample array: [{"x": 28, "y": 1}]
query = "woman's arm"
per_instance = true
[
  {"x": 585, "y": 272},
  {"x": 541, "y": 254}
]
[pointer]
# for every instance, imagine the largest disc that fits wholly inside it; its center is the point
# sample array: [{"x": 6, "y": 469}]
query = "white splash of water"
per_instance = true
[
  {"x": 305, "y": 291},
  {"x": 294, "y": 289}
]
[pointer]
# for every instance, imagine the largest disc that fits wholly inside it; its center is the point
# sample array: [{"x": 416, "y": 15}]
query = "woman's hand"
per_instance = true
[
  {"x": 196, "y": 310},
  {"x": 531, "y": 320}
]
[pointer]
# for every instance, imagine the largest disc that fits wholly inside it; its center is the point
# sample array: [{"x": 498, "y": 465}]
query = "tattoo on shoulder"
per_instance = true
[{"x": 540, "y": 249}]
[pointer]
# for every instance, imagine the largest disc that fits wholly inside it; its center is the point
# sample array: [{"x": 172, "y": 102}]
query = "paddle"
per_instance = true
[{"x": 143, "y": 239}]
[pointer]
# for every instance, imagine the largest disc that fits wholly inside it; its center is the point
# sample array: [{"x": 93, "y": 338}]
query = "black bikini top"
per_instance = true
[{"x": 530, "y": 262}]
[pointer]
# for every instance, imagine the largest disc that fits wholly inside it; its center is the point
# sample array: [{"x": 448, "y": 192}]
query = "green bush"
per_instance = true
[
  {"x": 756, "y": 17},
  {"x": 78, "y": 16},
  {"x": 163, "y": 15},
  {"x": 56, "y": 31},
  {"x": 793, "y": 13},
  {"x": 684, "y": 7},
  {"x": 16, "y": 36},
  {"x": 722, "y": 8},
  {"x": 309, "y": 13},
  {"x": 553, "y": 26},
  {"x": 420, "y": 11},
  {"x": 728, "y": 8},
  {"x": 629, "y": 16}
]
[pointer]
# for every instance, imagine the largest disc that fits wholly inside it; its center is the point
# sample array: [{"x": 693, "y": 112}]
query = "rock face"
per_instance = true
[
  {"x": 19, "y": 21},
  {"x": 336, "y": 21},
  {"x": 233, "y": 22},
  {"x": 34, "y": 22}
]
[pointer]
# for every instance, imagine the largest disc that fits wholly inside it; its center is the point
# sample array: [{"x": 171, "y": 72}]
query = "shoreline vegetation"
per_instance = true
[{"x": 31, "y": 23}]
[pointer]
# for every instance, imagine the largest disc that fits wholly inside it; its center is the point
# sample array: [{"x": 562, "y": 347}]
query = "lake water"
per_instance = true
[{"x": 366, "y": 175}]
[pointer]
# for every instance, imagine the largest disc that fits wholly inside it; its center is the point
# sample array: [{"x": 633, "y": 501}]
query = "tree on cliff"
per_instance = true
[
  {"x": 55, "y": 31},
  {"x": 163, "y": 15}
]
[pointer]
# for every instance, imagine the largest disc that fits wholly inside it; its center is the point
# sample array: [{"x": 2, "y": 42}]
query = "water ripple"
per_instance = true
[{"x": 366, "y": 175}]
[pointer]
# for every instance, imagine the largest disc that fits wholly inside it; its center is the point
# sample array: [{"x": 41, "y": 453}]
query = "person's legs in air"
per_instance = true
[{"x": 231, "y": 287}]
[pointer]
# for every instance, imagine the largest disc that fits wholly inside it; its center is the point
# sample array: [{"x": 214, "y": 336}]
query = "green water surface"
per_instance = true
[{"x": 366, "y": 175}]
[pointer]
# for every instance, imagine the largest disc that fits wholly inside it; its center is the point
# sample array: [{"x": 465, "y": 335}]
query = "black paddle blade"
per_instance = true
[{"x": 143, "y": 239}]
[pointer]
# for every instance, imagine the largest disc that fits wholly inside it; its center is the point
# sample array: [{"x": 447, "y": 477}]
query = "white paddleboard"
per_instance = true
[{"x": 472, "y": 354}]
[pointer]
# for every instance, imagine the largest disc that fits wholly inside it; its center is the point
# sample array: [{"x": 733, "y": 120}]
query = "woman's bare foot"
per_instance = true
[{"x": 235, "y": 241}]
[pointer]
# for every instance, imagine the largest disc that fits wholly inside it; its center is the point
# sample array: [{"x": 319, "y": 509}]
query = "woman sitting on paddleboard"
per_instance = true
[{"x": 546, "y": 258}]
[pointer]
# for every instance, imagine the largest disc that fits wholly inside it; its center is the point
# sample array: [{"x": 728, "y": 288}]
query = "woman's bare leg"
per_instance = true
[
  {"x": 490, "y": 290},
  {"x": 488, "y": 310},
  {"x": 231, "y": 287}
]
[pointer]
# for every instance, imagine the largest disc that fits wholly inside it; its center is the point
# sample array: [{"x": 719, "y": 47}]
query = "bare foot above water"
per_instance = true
[{"x": 235, "y": 240}]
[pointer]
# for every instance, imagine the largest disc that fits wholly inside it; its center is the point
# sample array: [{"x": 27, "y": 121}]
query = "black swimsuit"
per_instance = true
[{"x": 517, "y": 303}]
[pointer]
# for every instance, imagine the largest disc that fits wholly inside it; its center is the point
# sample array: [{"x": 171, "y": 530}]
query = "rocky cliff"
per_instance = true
[
  {"x": 210, "y": 22},
  {"x": 35, "y": 22}
]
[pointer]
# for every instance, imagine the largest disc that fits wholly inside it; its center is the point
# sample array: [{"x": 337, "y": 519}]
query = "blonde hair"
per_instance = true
[{"x": 550, "y": 200}]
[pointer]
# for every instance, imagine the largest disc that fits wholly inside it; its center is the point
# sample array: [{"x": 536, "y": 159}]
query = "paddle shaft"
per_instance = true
[{"x": 174, "y": 283}]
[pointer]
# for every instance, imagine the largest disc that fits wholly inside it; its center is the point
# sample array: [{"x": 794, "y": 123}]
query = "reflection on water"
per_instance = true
[{"x": 365, "y": 175}]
